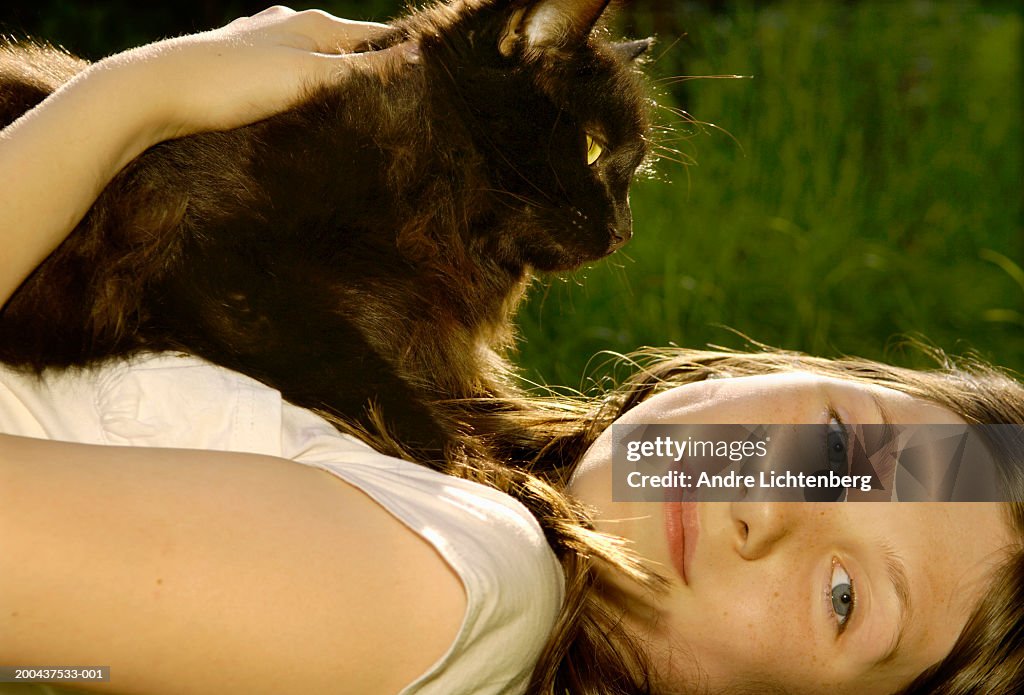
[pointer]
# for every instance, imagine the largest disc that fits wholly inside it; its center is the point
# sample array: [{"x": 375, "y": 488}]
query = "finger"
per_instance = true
[
  {"x": 262, "y": 18},
  {"x": 276, "y": 10},
  {"x": 333, "y": 34},
  {"x": 334, "y": 66}
]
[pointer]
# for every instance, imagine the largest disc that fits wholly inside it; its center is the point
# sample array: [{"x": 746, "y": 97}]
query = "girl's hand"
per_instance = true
[
  {"x": 56, "y": 159},
  {"x": 247, "y": 70}
]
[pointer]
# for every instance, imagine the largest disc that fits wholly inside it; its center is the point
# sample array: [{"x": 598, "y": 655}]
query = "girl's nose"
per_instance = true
[{"x": 759, "y": 526}]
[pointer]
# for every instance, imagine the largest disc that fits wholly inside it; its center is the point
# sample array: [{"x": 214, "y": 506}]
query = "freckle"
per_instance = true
[
  {"x": 159, "y": 581},
  {"x": 776, "y": 594},
  {"x": 14, "y": 614}
]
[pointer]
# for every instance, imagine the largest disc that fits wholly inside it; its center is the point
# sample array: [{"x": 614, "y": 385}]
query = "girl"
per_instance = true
[{"x": 214, "y": 555}]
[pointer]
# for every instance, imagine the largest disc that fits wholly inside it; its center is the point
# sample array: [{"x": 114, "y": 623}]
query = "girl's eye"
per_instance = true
[
  {"x": 594, "y": 150},
  {"x": 837, "y": 444},
  {"x": 843, "y": 598}
]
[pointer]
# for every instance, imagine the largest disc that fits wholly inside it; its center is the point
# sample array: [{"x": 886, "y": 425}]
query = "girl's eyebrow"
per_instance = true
[
  {"x": 883, "y": 410},
  {"x": 896, "y": 570}
]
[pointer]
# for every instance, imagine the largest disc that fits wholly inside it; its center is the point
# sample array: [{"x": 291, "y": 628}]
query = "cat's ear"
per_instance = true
[
  {"x": 551, "y": 23},
  {"x": 631, "y": 50}
]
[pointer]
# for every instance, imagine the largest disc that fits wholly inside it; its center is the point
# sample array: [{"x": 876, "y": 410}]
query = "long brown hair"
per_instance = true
[{"x": 535, "y": 444}]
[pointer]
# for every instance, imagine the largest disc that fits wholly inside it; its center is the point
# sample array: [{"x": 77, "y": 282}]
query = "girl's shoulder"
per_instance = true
[{"x": 512, "y": 582}]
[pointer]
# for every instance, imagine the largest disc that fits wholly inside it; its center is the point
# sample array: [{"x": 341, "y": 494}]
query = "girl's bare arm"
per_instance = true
[
  {"x": 191, "y": 571},
  {"x": 212, "y": 572},
  {"x": 55, "y": 160}
]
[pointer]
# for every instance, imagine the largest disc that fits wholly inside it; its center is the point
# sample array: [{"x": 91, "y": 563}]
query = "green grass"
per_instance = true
[{"x": 870, "y": 189}]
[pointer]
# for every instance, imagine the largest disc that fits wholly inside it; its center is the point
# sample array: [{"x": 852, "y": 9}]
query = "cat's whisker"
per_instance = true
[
  {"x": 551, "y": 165},
  {"x": 688, "y": 162},
  {"x": 677, "y": 79},
  {"x": 674, "y": 141},
  {"x": 523, "y": 176},
  {"x": 504, "y": 203},
  {"x": 668, "y": 48},
  {"x": 660, "y": 144},
  {"x": 665, "y": 143},
  {"x": 682, "y": 114},
  {"x": 544, "y": 296},
  {"x": 703, "y": 125},
  {"x": 510, "y": 194},
  {"x": 660, "y": 139},
  {"x": 508, "y": 204},
  {"x": 681, "y": 157}
]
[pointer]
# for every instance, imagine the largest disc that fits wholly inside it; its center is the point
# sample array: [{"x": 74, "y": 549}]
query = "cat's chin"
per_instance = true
[{"x": 567, "y": 262}]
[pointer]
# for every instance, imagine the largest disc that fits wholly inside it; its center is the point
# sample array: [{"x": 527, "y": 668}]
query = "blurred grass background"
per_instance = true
[{"x": 863, "y": 184}]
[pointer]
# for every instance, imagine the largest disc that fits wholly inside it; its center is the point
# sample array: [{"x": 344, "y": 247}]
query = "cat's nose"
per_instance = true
[
  {"x": 620, "y": 227},
  {"x": 620, "y": 236}
]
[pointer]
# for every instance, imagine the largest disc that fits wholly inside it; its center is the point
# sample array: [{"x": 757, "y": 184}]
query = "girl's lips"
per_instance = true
[
  {"x": 691, "y": 531},
  {"x": 682, "y": 526},
  {"x": 676, "y": 540}
]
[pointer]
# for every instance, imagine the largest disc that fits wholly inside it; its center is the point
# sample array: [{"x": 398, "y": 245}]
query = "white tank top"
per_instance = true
[{"x": 513, "y": 582}]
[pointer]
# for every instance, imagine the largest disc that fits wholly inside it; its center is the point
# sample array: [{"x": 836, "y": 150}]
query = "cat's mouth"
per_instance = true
[{"x": 560, "y": 257}]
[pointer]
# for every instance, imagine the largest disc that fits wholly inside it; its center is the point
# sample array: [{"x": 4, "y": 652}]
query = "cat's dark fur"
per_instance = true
[{"x": 369, "y": 245}]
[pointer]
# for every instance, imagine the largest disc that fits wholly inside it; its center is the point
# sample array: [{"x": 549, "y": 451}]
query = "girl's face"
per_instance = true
[{"x": 762, "y": 596}]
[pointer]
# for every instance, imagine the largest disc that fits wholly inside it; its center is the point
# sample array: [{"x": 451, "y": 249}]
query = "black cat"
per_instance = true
[{"x": 369, "y": 245}]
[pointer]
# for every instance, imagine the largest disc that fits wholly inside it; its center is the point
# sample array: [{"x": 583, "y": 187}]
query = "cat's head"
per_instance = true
[{"x": 556, "y": 116}]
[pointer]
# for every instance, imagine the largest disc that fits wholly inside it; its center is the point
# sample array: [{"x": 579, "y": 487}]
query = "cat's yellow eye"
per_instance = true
[{"x": 594, "y": 150}]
